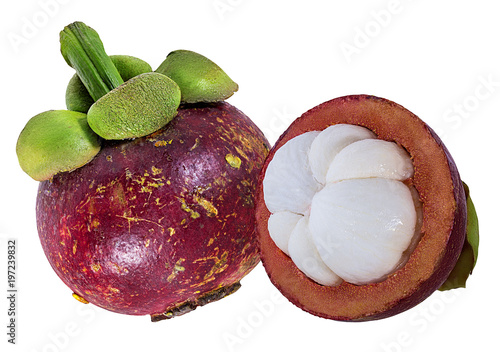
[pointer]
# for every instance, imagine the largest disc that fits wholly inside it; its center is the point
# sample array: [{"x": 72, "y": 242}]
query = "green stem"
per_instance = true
[{"x": 83, "y": 50}]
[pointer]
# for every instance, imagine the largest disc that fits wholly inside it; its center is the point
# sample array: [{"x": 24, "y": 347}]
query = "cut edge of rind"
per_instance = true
[{"x": 444, "y": 264}]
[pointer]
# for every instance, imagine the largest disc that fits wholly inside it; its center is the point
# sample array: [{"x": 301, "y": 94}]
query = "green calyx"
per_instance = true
[
  {"x": 468, "y": 256},
  {"x": 56, "y": 141},
  {"x": 79, "y": 99},
  {"x": 199, "y": 78},
  {"x": 113, "y": 97},
  {"x": 130, "y": 66},
  {"x": 140, "y": 106},
  {"x": 127, "y": 103},
  {"x": 77, "y": 95}
]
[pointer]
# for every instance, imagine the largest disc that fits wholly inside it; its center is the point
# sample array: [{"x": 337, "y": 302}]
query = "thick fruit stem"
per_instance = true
[
  {"x": 189, "y": 305},
  {"x": 83, "y": 50}
]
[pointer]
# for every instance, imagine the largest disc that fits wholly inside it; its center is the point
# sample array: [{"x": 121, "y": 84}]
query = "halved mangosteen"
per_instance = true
[{"x": 361, "y": 212}]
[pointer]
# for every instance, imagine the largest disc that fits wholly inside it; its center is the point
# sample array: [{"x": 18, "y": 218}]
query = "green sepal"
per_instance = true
[
  {"x": 56, "y": 141},
  {"x": 140, "y": 106},
  {"x": 199, "y": 78},
  {"x": 77, "y": 95}
]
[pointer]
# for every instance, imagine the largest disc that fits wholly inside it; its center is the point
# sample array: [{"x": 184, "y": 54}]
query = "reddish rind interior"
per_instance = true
[{"x": 438, "y": 183}]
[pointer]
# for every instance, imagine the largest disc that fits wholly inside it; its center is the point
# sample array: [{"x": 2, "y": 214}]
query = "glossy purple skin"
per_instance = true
[{"x": 156, "y": 222}]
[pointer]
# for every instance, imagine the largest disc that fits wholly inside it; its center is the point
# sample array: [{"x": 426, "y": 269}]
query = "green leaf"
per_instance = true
[{"x": 468, "y": 257}]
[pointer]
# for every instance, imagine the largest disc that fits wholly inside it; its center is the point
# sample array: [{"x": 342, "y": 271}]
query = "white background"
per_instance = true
[{"x": 439, "y": 59}]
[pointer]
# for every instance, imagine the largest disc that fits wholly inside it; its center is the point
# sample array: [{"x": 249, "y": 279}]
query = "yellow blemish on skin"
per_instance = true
[
  {"x": 64, "y": 270},
  {"x": 246, "y": 183},
  {"x": 220, "y": 264},
  {"x": 140, "y": 180},
  {"x": 210, "y": 242},
  {"x": 95, "y": 223},
  {"x": 145, "y": 190},
  {"x": 201, "y": 283},
  {"x": 74, "y": 246},
  {"x": 118, "y": 196},
  {"x": 195, "y": 215},
  {"x": 245, "y": 248},
  {"x": 109, "y": 158},
  {"x": 116, "y": 266},
  {"x": 95, "y": 267},
  {"x": 114, "y": 290},
  {"x": 176, "y": 270},
  {"x": 80, "y": 298},
  {"x": 207, "y": 205},
  {"x": 101, "y": 189},
  {"x": 156, "y": 171},
  {"x": 155, "y": 184},
  {"x": 196, "y": 144},
  {"x": 186, "y": 208},
  {"x": 147, "y": 243},
  {"x": 163, "y": 143},
  {"x": 221, "y": 180},
  {"x": 65, "y": 232},
  {"x": 131, "y": 219},
  {"x": 171, "y": 231},
  {"x": 242, "y": 153},
  {"x": 233, "y": 161}
]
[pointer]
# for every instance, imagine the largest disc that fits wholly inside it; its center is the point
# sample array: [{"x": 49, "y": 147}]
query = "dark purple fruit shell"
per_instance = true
[
  {"x": 442, "y": 194},
  {"x": 160, "y": 224}
]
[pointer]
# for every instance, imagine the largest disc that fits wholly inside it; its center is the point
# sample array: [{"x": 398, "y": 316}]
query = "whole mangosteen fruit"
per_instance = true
[
  {"x": 160, "y": 224},
  {"x": 361, "y": 212}
]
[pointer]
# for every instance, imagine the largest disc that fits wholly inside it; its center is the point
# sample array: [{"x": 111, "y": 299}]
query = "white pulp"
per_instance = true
[{"x": 339, "y": 207}]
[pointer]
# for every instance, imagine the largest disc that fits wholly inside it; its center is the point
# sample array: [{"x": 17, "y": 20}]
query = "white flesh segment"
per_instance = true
[
  {"x": 362, "y": 227},
  {"x": 371, "y": 158},
  {"x": 280, "y": 226},
  {"x": 306, "y": 257},
  {"x": 288, "y": 183},
  {"x": 329, "y": 142}
]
